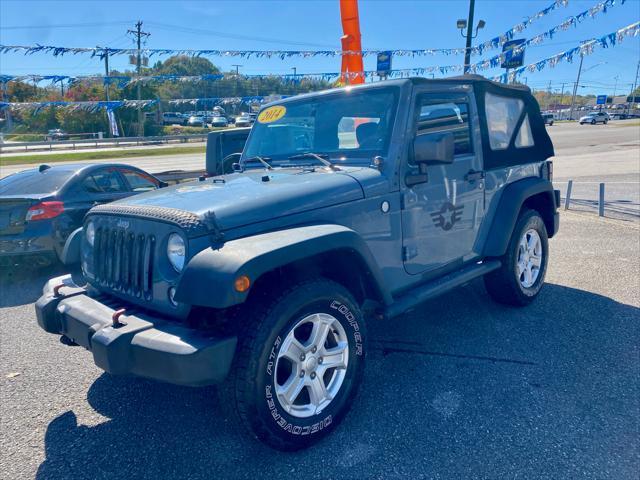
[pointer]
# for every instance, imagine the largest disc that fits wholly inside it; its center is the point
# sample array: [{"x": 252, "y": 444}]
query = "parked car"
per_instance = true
[
  {"x": 244, "y": 120},
  {"x": 273, "y": 273},
  {"x": 595, "y": 117},
  {"x": 219, "y": 121},
  {"x": 173, "y": 118},
  {"x": 196, "y": 121},
  {"x": 56, "y": 134},
  {"x": 40, "y": 207},
  {"x": 548, "y": 118}
]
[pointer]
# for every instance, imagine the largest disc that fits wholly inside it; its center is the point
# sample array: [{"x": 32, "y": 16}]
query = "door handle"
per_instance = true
[{"x": 473, "y": 175}]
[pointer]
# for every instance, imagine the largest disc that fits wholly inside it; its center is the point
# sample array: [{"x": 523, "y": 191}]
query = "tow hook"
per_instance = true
[
  {"x": 67, "y": 341},
  {"x": 115, "y": 318}
]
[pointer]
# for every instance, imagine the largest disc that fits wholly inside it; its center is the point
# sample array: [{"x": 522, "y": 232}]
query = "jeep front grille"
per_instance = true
[{"x": 123, "y": 261}]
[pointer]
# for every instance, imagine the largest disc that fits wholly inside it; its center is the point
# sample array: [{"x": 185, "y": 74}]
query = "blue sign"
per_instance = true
[
  {"x": 384, "y": 63},
  {"x": 513, "y": 60},
  {"x": 601, "y": 99}
]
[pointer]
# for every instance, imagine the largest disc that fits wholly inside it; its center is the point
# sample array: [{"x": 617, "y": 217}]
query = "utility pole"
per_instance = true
[
  {"x": 615, "y": 87},
  {"x": 4, "y": 97},
  {"x": 562, "y": 94},
  {"x": 295, "y": 71},
  {"x": 575, "y": 88},
  {"x": 633, "y": 87},
  {"x": 237, "y": 84},
  {"x": 549, "y": 93},
  {"x": 237, "y": 78},
  {"x": 106, "y": 73},
  {"x": 138, "y": 33},
  {"x": 467, "y": 51}
]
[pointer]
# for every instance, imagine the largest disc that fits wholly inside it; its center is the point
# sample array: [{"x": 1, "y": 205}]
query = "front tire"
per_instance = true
[
  {"x": 521, "y": 276},
  {"x": 300, "y": 363}
]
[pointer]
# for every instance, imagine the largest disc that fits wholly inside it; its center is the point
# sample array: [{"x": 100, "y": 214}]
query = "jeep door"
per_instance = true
[{"x": 441, "y": 216}]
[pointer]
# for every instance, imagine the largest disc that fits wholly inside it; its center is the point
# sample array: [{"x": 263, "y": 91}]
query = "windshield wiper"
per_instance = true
[
  {"x": 322, "y": 158},
  {"x": 262, "y": 160}
]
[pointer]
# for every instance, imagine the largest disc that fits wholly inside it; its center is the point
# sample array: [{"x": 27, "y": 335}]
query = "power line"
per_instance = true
[
  {"x": 234, "y": 36},
  {"x": 65, "y": 25}
]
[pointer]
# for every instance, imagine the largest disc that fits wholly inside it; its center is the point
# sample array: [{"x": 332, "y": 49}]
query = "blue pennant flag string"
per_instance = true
[{"x": 498, "y": 41}]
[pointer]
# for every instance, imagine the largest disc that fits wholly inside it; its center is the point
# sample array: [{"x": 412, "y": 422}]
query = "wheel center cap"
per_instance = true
[{"x": 311, "y": 364}]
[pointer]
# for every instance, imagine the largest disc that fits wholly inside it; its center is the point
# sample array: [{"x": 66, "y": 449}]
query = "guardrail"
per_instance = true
[{"x": 98, "y": 142}]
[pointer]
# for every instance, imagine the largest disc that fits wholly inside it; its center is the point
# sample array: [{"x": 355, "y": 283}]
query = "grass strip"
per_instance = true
[{"x": 107, "y": 155}]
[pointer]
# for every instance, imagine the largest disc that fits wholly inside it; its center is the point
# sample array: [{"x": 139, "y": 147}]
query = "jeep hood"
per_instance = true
[{"x": 256, "y": 195}]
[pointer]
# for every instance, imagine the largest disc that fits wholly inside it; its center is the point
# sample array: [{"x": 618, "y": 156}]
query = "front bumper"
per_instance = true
[{"x": 142, "y": 345}]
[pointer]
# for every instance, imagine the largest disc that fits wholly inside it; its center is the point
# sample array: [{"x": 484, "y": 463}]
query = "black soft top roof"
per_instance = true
[
  {"x": 512, "y": 155},
  {"x": 542, "y": 148}
]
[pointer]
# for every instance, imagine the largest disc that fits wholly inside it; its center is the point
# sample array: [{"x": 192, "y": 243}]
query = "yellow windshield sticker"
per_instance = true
[{"x": 272, "y": 114}]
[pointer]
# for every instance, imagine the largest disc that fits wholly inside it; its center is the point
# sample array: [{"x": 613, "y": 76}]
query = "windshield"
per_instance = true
[{"x": 345, "y": 126}]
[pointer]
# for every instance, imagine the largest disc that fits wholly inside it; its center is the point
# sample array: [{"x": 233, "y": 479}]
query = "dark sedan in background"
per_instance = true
[{"x": 41, "y": 207}]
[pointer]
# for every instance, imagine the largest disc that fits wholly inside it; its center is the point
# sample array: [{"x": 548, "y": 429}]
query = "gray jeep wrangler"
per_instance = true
[{"x": 346, "y": 206}]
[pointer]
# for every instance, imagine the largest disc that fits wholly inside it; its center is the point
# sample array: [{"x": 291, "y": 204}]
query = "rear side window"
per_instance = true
[
  {"x": 503, "y": 114},
  {"x": 106, "y": 180},
  {"x": 32, "y": 181},
  {"x": 445, "y": 113},
  {"x": 139, "y": 182},
  {"x": 524, "y": 137}
]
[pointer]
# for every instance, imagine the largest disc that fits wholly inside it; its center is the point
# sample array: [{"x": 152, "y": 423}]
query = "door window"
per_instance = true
[
  {"x": 140, "y": 182},
  {"x": 105, "y": 180},
  {"x": 446, "y": 113}
]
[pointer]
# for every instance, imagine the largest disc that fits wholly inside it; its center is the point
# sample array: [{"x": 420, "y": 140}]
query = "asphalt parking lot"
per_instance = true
[{"x": 460, "y": 388}]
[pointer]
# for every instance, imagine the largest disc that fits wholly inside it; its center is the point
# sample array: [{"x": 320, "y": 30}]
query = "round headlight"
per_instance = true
[
  {"x": 91, "y": 233},
  {"x": 176, "y": 251}
]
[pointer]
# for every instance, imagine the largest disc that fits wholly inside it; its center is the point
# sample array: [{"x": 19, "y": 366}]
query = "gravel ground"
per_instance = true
[{"x": 459, "y": 388}]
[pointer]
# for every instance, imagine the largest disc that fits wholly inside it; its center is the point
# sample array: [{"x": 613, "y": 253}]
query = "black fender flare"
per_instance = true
[
  {"x": 209, "y": 277},
  {"x": 71, "y": 250},
  {"x": 509, "y": 205}
]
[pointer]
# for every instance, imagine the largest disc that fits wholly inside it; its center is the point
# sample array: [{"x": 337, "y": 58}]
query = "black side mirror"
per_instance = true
[
  {"x": 430, "y": 149},
  {"x": 434, "y": 149}
]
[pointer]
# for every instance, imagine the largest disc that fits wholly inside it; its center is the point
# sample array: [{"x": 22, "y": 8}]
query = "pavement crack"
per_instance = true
[{"x": 389, "y": 350}]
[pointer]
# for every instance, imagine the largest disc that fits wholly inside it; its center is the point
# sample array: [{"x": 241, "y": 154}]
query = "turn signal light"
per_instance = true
[
  {"x": 45, "y": 210},
  {"x": 242, "y": 283}
]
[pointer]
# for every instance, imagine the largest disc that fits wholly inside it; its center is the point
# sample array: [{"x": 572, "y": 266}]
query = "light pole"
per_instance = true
[{"x": 468, "y": 24}]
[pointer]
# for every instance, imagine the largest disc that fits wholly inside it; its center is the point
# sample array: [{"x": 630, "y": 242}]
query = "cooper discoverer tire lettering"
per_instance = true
[{"x": 299, "y": 364}]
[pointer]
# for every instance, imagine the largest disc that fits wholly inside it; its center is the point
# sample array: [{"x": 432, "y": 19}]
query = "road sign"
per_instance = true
[
  {"x": 513, "y": 60},
  {"x": 384, "y": 63},
  {"x": 601, "y": 99}
]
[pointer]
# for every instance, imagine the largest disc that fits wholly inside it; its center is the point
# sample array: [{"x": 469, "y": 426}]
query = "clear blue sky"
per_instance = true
[{"x": 298, "y": 24}]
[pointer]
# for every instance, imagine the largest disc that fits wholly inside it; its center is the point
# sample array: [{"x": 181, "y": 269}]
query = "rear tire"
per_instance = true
[
  {"x": 521, "y": 276},
  {"x": 286, "y": 393}
]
